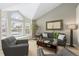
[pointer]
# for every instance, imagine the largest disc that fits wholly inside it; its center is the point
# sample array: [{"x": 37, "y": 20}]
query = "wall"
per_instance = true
[
  {"x": 67, "y": 12},
  {"x": 0, "y": 29},
  {"x": 77, "y": 21}
]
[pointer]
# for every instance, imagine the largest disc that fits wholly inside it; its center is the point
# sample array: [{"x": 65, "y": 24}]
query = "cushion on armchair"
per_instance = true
[{"x": 50, "y": 35}]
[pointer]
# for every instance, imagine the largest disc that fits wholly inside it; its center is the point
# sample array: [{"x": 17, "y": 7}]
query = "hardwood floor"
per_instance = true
[
  {"x": 32, "y": 48},
  {"x": 1, "y": 52},
  {"x": 74, "y": 50}
]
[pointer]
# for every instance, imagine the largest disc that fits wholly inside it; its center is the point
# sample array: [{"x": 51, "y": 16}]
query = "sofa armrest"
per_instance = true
[{"x": 21, "y": 41}]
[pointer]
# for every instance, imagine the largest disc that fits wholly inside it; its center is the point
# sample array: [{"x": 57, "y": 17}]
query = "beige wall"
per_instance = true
[
  {"x": 77, "y": 21},
  {"x": 67, "y": 12},
  {"x": 0, "y": 29}
]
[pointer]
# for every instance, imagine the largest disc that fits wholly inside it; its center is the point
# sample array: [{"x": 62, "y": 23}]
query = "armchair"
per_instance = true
[{"x": 13, "y": 47}]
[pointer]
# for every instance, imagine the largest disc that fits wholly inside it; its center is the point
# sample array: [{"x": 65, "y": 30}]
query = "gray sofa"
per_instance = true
[
  {"x": 49, "y": 36},
  {"x": 13, "y": 47},
  {"x": 64, "y": 52}
]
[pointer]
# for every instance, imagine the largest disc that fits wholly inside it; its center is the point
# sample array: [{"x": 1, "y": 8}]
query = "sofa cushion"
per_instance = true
[{"x": 50, "y": 35}]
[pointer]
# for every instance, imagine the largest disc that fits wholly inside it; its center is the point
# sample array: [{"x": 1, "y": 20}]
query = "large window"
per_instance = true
[
  {"x": 3, "y": 25},
  {"x": 17, "y": 23},
  {"x": 14, "y": 24}
]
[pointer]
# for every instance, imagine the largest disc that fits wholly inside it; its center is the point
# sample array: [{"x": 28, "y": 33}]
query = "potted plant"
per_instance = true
[
  {"x": 34, "y": 28},
  {"x": 55, "y": 37}
]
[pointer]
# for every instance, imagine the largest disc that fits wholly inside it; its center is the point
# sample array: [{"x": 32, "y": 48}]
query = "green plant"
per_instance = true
[
  {"x": 34, "y": 27},
  {"x": 55, "y": 35}
]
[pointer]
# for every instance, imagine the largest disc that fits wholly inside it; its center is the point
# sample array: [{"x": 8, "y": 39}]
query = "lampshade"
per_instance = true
[{"x": 72, "y": 26}]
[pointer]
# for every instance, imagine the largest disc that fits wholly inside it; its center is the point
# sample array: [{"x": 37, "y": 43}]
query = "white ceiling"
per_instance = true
[
  {"x": 44, "y": 8},
  {"x": 6, "y": 5},
  {"x": 30, "y": 10}
]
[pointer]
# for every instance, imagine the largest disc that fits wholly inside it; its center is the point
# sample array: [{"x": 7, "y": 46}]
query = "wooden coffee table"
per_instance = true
[{"x": 47, "y": 45}]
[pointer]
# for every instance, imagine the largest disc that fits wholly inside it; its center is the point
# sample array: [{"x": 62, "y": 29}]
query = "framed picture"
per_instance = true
[{"x": 54, "y": 25}]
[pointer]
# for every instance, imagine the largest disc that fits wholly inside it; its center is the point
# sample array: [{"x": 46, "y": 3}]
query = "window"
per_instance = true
[
  {"x": 3, "y": 26},
  {"x": 27, "y": 28},
  {"x": 14, "y": 24},
  {"x": 17, "y": 24}
]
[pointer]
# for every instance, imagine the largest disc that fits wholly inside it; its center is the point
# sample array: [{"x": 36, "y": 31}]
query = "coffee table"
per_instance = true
[{"x": 49, "y": 46}]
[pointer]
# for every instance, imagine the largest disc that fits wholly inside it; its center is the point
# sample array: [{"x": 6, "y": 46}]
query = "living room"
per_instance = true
[{"x": 30, "y": 24}]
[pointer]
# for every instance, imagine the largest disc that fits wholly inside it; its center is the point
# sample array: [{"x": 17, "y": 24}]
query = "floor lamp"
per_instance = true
[{"x": 72, "y": 27}]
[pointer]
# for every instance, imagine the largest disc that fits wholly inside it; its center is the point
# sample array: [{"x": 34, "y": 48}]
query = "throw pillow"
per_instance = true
[
  {"x": 61, "y": 37},
  {"x": 44, "y": 35}
]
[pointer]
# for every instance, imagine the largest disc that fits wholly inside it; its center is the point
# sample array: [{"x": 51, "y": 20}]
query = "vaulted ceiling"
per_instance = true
[{"x": 30, "y": 10}]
